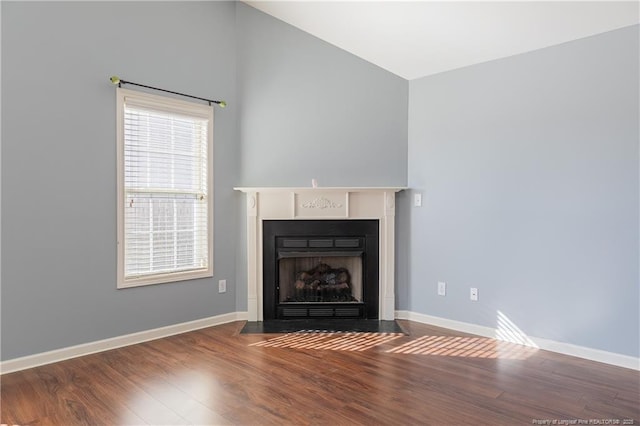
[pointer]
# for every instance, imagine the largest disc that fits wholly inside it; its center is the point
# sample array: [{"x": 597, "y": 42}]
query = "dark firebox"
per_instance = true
[{"x": 320, "y": 268}]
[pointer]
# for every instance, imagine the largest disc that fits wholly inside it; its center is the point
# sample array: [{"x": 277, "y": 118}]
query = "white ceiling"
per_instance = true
[{"x": 420, "y": 38}]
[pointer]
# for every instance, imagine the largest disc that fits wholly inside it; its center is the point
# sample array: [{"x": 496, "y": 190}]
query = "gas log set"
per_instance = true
[{"x": 322, "y": 283}]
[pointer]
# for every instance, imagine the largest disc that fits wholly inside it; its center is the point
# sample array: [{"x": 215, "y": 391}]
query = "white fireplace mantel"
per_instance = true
[{"x": 317, "y": 204}]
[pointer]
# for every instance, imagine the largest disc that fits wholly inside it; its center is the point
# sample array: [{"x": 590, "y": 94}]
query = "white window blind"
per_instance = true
[{"x": 166, "y": 190}]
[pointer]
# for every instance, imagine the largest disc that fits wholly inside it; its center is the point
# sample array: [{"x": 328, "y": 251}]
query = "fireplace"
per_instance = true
[
  {"x": 320, "y": 269},
  {"x": 309, "y": 206}
]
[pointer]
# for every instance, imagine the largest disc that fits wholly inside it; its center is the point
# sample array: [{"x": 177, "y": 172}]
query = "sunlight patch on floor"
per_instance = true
[
  {"x": 464, "y": 347},
  {"x": 330, "y": 341},
  {"x": 452, "y": 346}
]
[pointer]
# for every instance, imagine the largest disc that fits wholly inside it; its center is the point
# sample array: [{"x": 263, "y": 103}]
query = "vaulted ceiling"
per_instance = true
[{"x": 420, "y": 38}]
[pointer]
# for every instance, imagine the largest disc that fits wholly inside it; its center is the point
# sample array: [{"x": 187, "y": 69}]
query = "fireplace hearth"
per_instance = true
[{"x": 320, "y": 269}]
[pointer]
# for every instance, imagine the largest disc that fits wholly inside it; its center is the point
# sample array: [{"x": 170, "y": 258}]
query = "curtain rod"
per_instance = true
[{"x": 117, "y": 80}]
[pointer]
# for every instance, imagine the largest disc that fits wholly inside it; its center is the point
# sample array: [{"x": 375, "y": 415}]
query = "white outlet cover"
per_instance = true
[
  {"x": 442, "y": 288},
  {"x": 417, "y": 200},
  {"x": 222, "y": 286},
  {"x": 473, "y": 294}
]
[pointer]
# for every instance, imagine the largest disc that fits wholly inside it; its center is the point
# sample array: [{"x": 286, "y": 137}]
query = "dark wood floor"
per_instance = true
[{"x": 218, "y": 376}]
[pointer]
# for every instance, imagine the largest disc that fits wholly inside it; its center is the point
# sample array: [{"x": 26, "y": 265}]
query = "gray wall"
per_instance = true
[
  {"x": 310, "y": 110},
  {"x": 529, "y": 170},
  {"x": 58, "y": 163}
]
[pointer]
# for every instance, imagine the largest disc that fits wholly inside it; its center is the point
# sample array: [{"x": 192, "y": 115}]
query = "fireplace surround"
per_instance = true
[{"x": 308, "y": 206}]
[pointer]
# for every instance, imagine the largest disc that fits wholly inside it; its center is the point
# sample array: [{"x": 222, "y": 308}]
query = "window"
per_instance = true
[{"x": 165, "y": 189}]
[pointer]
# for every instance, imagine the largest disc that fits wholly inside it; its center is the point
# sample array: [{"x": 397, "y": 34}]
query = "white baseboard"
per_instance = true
[
  {"x": 62, "y": 354},
  {"x": 546, "y": 344}
]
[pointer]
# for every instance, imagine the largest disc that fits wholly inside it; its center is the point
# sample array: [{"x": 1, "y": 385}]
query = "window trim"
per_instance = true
[{"x": 173, "y": 105}]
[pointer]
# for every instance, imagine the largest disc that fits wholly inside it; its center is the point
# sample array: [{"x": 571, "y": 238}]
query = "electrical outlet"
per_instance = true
[
  {"x": 222, "y": 286},
  {"x": 442, "y": 288},
  {"x": 417, "y": 200},
  {"x": 473, "y": 294}
]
